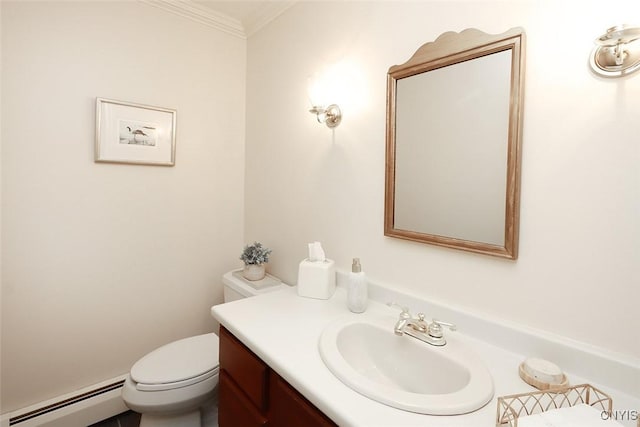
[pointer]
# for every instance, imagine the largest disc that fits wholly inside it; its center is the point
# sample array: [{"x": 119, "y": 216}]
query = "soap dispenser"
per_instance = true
[{"x": 357, "y": 293}]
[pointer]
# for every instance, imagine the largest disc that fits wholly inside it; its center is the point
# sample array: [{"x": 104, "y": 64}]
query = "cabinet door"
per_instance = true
[
  {"x": 289, "y": 408},
  {"x": 234, "y": 408},
  {"x": 246, "y": 369}
]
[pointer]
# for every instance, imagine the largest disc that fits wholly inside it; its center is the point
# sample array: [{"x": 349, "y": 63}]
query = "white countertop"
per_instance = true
[{"x": 283, "y": 329}]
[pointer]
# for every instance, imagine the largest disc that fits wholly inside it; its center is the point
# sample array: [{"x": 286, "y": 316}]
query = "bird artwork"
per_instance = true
[{"x": 137, "y": 135}]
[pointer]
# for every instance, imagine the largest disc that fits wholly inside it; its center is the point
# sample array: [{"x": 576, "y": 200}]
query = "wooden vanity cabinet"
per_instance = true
[
  {"x": 234, "y": 409},
  {"x": 252, "y": 394},
  {"x": 289, "y": 408}
]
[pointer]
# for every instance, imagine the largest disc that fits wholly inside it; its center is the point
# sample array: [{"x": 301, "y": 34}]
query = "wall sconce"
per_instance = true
[
  {"x": 331, "y": 116},
  {"x": 617, "y": 52}
]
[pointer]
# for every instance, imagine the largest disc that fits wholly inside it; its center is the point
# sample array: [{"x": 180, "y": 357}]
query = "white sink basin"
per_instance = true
[{"x": 403, "y": 372}]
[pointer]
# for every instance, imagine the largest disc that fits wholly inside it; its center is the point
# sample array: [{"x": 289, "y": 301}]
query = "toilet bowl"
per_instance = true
[{"x": 169, "y": 385}]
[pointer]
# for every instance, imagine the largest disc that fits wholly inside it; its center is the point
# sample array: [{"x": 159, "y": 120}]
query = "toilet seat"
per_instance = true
[
  {"x": 178, "y": 364},
  {"x": 176, "y": 384}
]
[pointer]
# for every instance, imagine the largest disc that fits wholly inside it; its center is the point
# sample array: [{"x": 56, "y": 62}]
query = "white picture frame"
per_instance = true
[{"x": 134, "y": 133}]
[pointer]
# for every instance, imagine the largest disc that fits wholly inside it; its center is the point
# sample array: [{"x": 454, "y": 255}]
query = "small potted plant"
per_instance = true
[{"x": 254, "y": 257}]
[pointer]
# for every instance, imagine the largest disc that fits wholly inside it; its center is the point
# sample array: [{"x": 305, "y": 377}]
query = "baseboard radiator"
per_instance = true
[{"x": 78, "y": 409}]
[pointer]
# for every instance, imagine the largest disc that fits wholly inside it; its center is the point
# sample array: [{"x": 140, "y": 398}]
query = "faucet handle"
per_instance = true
[
  {"x": 435, "y": 328},
  {"x": 451, "y": 326},
  {"x": 405, "y": 310}
]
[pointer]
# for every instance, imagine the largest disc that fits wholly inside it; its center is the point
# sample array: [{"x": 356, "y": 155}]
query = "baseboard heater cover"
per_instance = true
[{"x": 85, "y": 400}]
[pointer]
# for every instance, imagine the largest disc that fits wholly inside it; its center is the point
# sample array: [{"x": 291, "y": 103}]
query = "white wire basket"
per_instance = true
[{"x": 514, "y": 406}]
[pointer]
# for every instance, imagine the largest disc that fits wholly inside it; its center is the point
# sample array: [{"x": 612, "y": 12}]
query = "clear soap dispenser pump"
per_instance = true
[{"x": 357, "y": 292}]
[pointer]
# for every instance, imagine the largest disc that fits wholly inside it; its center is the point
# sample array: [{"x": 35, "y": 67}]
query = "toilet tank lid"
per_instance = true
[
  {"x": 234, "y": 280},
  {"x": 178, "y": 361}
]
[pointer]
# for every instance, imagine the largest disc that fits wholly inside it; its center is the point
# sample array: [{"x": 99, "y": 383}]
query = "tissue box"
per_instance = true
[{"x": 316, "y": 279}]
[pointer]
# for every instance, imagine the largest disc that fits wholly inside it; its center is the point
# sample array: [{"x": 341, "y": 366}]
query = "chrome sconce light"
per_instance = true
[
  {"x": 617, "y": 52},
  {"x": 331, "y": 115}
]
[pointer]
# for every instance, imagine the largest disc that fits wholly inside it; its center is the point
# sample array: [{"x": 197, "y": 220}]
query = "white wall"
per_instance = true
[
  {"x": 577, "y": 273},
  {"x": 104, "y": 262}
]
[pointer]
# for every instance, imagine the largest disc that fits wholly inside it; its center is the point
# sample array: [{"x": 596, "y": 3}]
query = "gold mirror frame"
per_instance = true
[{"x": 448, "y": 49}]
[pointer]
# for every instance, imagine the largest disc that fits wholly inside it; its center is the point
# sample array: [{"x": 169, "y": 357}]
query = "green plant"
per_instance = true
[{"x": 255, "y": 254}]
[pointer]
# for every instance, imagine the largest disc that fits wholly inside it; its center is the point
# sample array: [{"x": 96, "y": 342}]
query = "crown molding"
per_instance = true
[
  {"x": 267, "y": 13},
  {"x": 202, "y": 15}
]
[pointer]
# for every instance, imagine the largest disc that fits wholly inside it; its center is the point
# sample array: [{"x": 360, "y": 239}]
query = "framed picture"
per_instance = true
[{"x": 134, "y": 133}]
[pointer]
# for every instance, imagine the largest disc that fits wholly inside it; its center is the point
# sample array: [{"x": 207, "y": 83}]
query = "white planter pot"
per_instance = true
[{"x": 254, "y": 272}]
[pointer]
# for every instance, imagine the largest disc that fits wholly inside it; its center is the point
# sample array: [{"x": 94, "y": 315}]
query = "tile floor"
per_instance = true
[
  {"x": 126, "y": 419},
  {"x": 132, "y": 419}
]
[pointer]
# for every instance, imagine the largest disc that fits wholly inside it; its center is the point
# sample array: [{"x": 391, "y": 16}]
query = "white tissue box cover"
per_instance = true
[{"x": 316, "y": 279}]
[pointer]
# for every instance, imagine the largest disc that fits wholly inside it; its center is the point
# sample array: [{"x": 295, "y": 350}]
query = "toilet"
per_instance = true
[{"x": 169, "y": 385}]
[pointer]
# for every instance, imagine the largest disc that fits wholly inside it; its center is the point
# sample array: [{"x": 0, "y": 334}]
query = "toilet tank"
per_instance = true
[{"x": 237, "y": 287}]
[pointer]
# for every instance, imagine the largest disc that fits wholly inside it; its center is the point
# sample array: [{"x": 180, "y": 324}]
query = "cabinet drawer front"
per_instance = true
[
  {"x": 247, "y": 370},
  {"x": 289, "y": 408},
  {"x": 234, "y": 409}
]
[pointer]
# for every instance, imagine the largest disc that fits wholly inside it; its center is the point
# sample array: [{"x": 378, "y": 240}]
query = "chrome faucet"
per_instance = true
[
  {"x": 405, "y": 316},
  {"x": 418, "y": 328}
]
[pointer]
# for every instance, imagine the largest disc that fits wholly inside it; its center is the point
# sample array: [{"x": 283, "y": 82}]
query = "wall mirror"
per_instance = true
[{"x": 454, "y": 130}]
